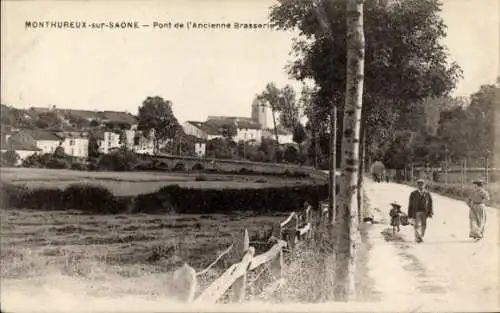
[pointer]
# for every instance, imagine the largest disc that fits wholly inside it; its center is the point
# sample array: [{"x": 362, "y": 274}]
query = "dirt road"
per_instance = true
[{"x": 446, "y": 272}]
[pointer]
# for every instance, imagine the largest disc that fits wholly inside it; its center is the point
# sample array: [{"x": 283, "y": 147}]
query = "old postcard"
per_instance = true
[{"x": 250, "y": 156}]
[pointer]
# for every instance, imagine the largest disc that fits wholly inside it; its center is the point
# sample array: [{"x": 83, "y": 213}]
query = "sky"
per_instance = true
[{"x": 203, "y": 72}]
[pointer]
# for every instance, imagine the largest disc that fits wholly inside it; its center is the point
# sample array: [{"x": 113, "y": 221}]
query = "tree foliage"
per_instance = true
[
  {"x": 289, "y": 108},
  {"x": 229, "y": 130},
  {"x": 271, "y": 96},
  {"x": 48, "y": 120},
  {"x": 156, "y": 114},
  {"x": 405, "y": 59},
  {"x": 9, "y": 158}
]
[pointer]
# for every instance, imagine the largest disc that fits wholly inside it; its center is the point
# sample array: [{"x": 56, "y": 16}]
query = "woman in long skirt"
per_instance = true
[{"x": 477, "y": 212}]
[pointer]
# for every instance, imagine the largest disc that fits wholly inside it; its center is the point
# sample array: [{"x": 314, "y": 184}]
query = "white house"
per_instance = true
[
  {"x": 22, "y": 150},
  {"x": 200, "y": 149},
  {"x": 284, "y": 137},
  {"x": 75, "y": 144},
  {"x": 247, "y": 130},
  {"x": 108, "y": 141}
]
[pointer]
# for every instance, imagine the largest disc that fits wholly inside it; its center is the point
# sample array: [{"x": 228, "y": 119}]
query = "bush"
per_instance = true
[
  {"x": 119, "y": 160},
  {"x": 79, "y": 166},
  {"x": 9, "y": 158},
  {"x": 37, "y": 160},
  {"x": 274, "y": 199},
  {"x": 97, "y": 199},
  {"x": 89, "y": 198},
  {"x": 56, "y": 163},
  {"x": 291, "y": 154}
]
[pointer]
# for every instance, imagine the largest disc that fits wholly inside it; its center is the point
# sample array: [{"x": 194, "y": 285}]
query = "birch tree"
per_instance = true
[{"x": 347, "y": 217}]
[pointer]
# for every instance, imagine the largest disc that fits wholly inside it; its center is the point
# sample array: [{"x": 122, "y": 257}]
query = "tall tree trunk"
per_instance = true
[
  {"x": 361, "y": 208},
  {"x": 347, "y": 217},
  {"x": 333, "y": 162}
]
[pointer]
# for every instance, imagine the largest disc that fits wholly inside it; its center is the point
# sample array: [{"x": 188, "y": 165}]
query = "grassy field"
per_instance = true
[
  {"x": 43, "y": 249},
  {"x": 133, "y": 183}
]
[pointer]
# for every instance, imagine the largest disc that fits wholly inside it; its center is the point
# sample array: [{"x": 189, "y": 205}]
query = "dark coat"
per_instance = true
[{"x": 420, "y": 203}]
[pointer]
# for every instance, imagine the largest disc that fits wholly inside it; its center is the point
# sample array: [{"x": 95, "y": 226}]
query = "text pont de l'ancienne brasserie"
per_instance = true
[{"x": 136, "y": 25}]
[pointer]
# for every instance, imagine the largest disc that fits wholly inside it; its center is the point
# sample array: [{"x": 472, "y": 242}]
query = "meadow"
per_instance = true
[
  {"x": 134, "y": 183},
  {"x": 92, "y": 251},
  {"x": 89, "y": 251}
]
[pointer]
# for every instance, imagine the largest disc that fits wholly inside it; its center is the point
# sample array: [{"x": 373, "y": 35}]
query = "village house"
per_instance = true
[
  {"x": 75, "y": 144},
  {"x": 108, "y": 141},
  {"x": 27, "y": 142},
  {"x": 46, "y": 141},
  {"x": 22, "y": 150},
  {"x": 284, "y": 137},
  {"x": 195, "y": 129},
  {"x": 248, "y": 130}
]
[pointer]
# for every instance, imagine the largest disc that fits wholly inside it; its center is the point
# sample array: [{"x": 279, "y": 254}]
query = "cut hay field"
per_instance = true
[
  {"x": 115, "y": 255},
  {"x": 134, "y": 183}
]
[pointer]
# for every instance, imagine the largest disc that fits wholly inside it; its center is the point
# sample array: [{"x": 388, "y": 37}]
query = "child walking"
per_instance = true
[{"x": 395, "y": 215}]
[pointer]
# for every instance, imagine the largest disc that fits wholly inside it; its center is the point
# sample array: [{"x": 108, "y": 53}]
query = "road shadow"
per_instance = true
[
  {"x": 412, "y": 264},
  {"x": 389, "y": 235}
]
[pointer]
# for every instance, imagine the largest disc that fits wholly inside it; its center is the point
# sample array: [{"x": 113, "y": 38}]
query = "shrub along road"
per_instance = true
[{"x": 448, "y": 271}]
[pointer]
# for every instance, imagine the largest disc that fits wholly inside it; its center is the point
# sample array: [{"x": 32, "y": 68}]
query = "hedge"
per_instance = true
[
  {"x": 98, "y": 199},
  {"x": 84, "y": 197}
]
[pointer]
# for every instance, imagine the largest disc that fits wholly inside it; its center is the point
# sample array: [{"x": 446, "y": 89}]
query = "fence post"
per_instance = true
[
  {"x": 240, "y": 284},
  {"x": 184, "y": 283}
]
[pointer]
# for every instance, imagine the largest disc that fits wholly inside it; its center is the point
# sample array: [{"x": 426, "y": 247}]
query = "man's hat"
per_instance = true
[
  {"x": 396, "y": 204},
  {"x": 420, "y": 181}
]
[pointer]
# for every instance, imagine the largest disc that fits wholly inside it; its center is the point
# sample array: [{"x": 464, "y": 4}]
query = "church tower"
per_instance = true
[{"x": 259, "y": 113}]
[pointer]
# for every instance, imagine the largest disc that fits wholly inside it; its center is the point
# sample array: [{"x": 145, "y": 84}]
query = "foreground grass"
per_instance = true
[
  {"x": 123, "y": 245},
  {"x": 310, "y": 270}
]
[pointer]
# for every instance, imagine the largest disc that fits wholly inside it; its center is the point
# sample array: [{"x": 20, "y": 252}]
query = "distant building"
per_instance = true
[
  {"x": 200, "y": 149},
  {"x": 196, "y": 129},
  {"x": 284, "y": 137},
  {"x": 46, "y": 141},
  {"x": 108, "y": 141},
  {"x": 23, "y": 150},
  {"x": 75, "y": 144}
]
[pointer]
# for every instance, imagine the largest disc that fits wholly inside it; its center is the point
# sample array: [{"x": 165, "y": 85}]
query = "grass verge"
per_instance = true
[{"x": 310, "y": 270}]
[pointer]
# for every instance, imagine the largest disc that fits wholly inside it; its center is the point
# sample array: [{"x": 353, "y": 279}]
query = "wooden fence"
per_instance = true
[{"x": 284, "y": 237}]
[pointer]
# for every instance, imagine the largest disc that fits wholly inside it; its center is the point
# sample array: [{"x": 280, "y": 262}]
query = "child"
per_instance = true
[{"x": 395, "y": 214}]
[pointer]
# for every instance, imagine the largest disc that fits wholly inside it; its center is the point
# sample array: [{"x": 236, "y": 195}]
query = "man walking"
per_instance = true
[{"x": 419, "y": 209}]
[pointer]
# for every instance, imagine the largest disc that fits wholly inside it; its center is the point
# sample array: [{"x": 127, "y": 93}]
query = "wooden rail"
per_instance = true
[{"x": 235, "y": 277}]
